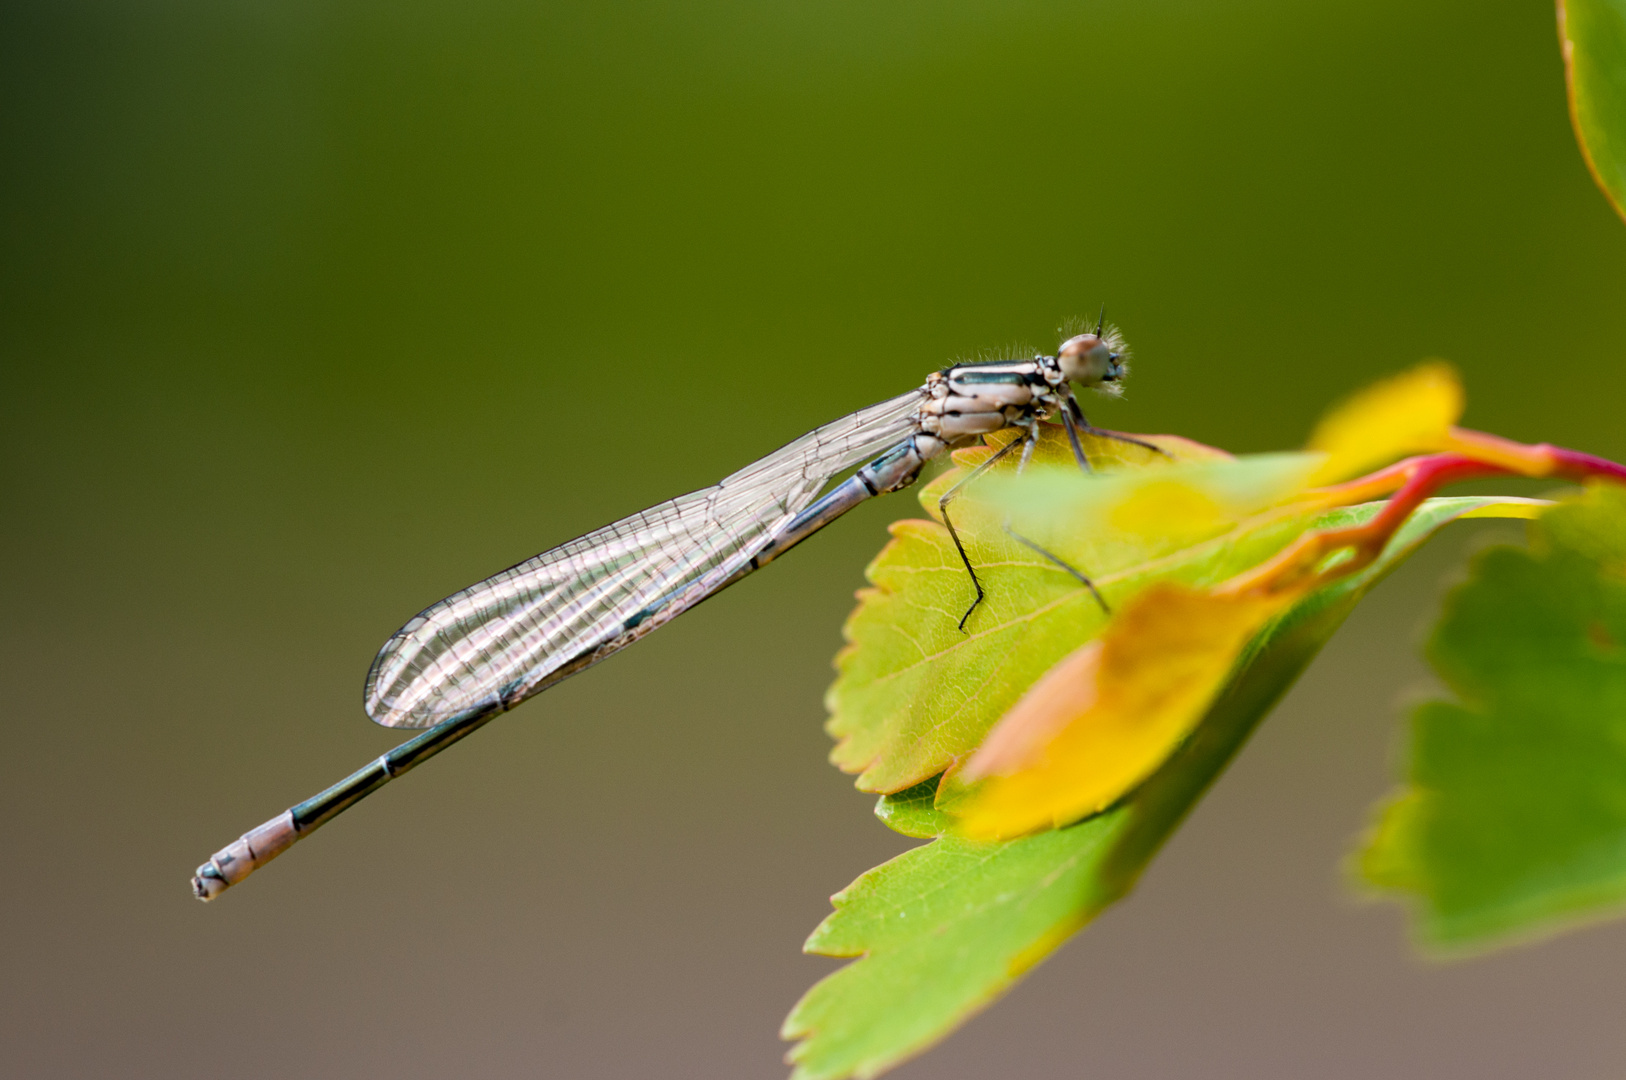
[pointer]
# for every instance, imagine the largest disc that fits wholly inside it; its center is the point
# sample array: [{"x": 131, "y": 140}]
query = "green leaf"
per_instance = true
[
  {"x": 1514, "y": 817},
  {"x": 1592, "y": 34},
  {"x": 915, "y": 693},
  {"x": 946, "y": 928},
  {"x": 913, "y": 811}
]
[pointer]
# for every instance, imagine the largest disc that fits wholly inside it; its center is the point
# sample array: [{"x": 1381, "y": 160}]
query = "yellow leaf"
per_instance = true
[
  {"x": 1411, "y": 413},
  {"x": 1108, "y": 715},
  {"x": 1509, "y": 506},
  {"x": 1162, "y": 506}
]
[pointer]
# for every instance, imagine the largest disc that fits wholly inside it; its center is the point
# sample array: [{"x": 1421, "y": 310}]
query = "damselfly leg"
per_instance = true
[
  {"x": 1028, "y": 441},
  {"x": 1083, "y": 463},
  {"x": 1074, "y": 414},
  {"x": 952, "y": 492},
  {"x": 1083, "y": 579},
  {"x": 1068, "y": 422}
]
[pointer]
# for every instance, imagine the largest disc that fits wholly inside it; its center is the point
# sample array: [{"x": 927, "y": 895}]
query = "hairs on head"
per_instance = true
[
  {"x": 1112, "y": 337},
  {"x": 1110, "y": 334}
]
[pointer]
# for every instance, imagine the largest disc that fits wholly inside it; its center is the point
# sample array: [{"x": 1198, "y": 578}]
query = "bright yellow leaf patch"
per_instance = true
[
  {"x": 1411, "y": 413},
  {"x": 1107, "y": 716}
]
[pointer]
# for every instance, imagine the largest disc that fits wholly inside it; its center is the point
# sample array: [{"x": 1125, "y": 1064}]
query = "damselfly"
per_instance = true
[{"x": 483, "y": 650}]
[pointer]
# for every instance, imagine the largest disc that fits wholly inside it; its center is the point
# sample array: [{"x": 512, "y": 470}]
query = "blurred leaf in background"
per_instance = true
[
  {"x": 1513, "y": 820},
  {"x": 1592, "y": 34}
]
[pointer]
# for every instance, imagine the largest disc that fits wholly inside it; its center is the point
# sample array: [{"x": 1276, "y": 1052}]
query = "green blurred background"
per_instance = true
[{"x": 313, "y": 313}]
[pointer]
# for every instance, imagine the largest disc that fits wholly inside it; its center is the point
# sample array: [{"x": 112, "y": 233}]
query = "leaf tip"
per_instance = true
[{"x": 1411, "y": 412}]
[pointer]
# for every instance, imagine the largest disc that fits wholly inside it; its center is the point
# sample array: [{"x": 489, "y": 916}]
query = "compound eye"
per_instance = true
[{"x": 1085, "y": 359}]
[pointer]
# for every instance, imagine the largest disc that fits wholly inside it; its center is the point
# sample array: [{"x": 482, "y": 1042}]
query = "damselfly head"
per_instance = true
[{"x": 1095, "y": 360}]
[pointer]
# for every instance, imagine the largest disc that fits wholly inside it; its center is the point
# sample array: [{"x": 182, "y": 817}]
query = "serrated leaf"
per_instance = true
[
  {"x": 915, "y": 694},
  {"x": 944, "y": 929},
  {"x": 947, "y": 928},
  {"x": 1592, "y": 34},
  {"x": 1514, "y": 817}
]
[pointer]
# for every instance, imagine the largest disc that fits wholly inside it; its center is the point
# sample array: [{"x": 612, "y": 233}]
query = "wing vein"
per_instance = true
[{"x": 492, "y": 643}]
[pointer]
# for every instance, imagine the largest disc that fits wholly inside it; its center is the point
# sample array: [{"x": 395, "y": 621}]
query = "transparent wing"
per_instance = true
[{"x": 491, "y": 644}]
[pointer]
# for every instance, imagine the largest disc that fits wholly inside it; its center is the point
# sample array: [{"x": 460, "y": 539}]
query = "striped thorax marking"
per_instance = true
[{"x": 968, "y": 400}]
